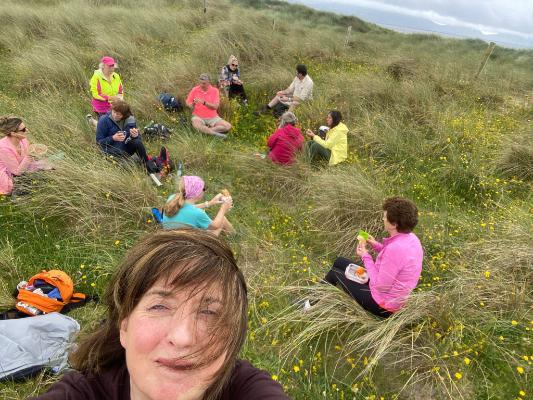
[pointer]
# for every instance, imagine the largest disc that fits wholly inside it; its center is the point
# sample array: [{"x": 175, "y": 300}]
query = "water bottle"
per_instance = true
[{"x": 157, "y": 215}]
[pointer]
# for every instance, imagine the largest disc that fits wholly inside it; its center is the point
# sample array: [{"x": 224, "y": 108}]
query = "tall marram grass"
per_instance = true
[
  {"x": 419, "y": 127},
  {"x": 343, "y": 201}
]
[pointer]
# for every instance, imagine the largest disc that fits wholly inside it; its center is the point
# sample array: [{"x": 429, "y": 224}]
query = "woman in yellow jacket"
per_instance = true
[
  {"x": 106, "y": 86},
  {"x": 335, "y": 147}
]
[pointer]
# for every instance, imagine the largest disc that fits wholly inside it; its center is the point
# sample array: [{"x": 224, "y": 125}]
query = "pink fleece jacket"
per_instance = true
[
  {"x": 13, "y": 163},
  {"x": 396, "y": 271}
]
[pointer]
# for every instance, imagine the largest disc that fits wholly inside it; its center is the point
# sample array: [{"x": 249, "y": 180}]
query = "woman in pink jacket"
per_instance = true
[
  {"x": 286, "y": 140},
  {"x": 14, "y": 153},
  {"x": 398, "y": 265}
]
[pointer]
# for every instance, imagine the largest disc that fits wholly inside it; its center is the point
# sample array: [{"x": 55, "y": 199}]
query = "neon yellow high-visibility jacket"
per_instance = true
[
  {"x": 102, "y": 90},
  {"x": 337, "y": 142}
]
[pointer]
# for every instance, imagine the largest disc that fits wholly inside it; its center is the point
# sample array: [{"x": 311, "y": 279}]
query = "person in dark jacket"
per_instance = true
[
  {"x": 286, "y": 140},
  {"x": 176, "y": 321},
  {"x": 117, "y": 133}
]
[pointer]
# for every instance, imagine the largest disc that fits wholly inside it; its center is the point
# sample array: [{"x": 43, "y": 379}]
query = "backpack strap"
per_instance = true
[
  {"x": 79, "y": 300},
  {"x": 78, "y": 297}
]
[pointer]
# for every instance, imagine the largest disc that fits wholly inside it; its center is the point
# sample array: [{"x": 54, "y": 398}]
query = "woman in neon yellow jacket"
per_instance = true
[
  {"x": 334, "y": 147},
  {"x": 106, "y": 86}
]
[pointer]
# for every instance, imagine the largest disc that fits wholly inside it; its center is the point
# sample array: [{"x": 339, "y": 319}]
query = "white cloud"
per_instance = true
[{"x": 490, "y": 17}]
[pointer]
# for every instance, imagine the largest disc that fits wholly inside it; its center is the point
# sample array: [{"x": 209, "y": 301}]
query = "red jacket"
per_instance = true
[{"x": 284, "y": 143}]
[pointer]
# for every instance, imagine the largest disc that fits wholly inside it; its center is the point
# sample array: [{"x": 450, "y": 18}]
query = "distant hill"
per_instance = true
[{"x": 411, "y": 23}]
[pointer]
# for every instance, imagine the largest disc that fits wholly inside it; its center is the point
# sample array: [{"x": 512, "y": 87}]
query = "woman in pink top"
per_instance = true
[
  {"x": 14, "y": 153},
  {"x": 398, "y": 265},
  {"x": 286, "y": 140}
]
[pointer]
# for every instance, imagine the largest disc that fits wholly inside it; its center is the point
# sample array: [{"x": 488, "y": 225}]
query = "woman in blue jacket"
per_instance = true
[{"x": 117, "y": 133}]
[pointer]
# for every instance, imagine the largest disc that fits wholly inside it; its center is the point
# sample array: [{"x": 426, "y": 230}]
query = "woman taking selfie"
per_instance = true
[{"x": 176, "y": 321}]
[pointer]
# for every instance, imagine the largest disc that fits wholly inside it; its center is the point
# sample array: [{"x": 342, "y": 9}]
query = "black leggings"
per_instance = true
[
  {"x": 134, "y": 146},
  {"x": 236, "y": 91},
  {"x": 360, "y": 292}
]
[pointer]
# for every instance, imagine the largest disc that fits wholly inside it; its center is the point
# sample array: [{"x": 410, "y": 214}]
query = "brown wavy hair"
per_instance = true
[
  {"x": 9, "y": 125},
  {"x": 186, "y": 259},
  {"x": 402, "y": 212},
  {"x": 122, "y": 107}
]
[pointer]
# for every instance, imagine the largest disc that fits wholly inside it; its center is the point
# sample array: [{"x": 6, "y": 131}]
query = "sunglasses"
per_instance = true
[
  {"x": 22, "y": 130},
  {"x": 234, "y": 65}
]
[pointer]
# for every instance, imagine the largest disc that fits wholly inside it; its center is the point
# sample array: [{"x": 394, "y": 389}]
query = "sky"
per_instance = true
[{"x": 507, "y": 22}]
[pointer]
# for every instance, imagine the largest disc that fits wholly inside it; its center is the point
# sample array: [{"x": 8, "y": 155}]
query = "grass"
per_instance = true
[{"x": 419, "y": 127}]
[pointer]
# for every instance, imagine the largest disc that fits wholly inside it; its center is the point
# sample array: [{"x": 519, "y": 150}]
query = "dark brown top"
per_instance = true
[{"x": 247, "y": 383}]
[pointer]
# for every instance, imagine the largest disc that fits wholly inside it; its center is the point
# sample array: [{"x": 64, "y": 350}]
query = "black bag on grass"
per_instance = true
[
  {"x": 170, "y": 103},
  {"x": 153, "y": 130}
]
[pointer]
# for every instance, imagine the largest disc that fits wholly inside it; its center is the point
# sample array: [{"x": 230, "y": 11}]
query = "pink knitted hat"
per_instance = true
[{"x": 194, "y": 186}]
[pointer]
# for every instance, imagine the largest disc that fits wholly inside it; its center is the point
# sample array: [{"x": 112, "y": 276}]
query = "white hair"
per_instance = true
[{"x": 288, "y": 118}]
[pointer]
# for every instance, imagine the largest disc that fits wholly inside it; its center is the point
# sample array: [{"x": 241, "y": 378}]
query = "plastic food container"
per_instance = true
[
  {"x": 37, "y": 149},
  {"x": 356, "y": 273}
]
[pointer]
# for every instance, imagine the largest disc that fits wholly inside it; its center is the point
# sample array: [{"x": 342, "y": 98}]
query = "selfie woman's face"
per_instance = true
[{"x": 164, "y": 337}]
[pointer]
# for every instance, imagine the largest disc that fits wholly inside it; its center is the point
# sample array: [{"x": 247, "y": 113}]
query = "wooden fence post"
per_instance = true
[
  {"x": 348, "y": 32},
  {"x": 485, "y": 58},
  {"x": 205, "y": 6}
]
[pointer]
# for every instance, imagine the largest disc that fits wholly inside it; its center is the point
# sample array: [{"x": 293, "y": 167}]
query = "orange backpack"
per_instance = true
[{"x": 33, "y": 303}]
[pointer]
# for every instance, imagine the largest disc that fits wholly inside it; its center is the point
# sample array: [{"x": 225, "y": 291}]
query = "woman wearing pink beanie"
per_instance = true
[{"x": 181, "y": 208}]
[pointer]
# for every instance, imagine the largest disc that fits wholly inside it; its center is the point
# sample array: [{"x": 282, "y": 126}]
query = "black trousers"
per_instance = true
[
  {"x": 360, "y": 292},
  {"x": 134, "y": 146},
  {"x": 236, "y": 91}
]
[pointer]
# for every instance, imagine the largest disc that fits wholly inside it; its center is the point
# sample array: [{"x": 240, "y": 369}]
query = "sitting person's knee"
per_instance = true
[
  {"x": 197, "y": 123},
  {"x": 341, "y": 263}
]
